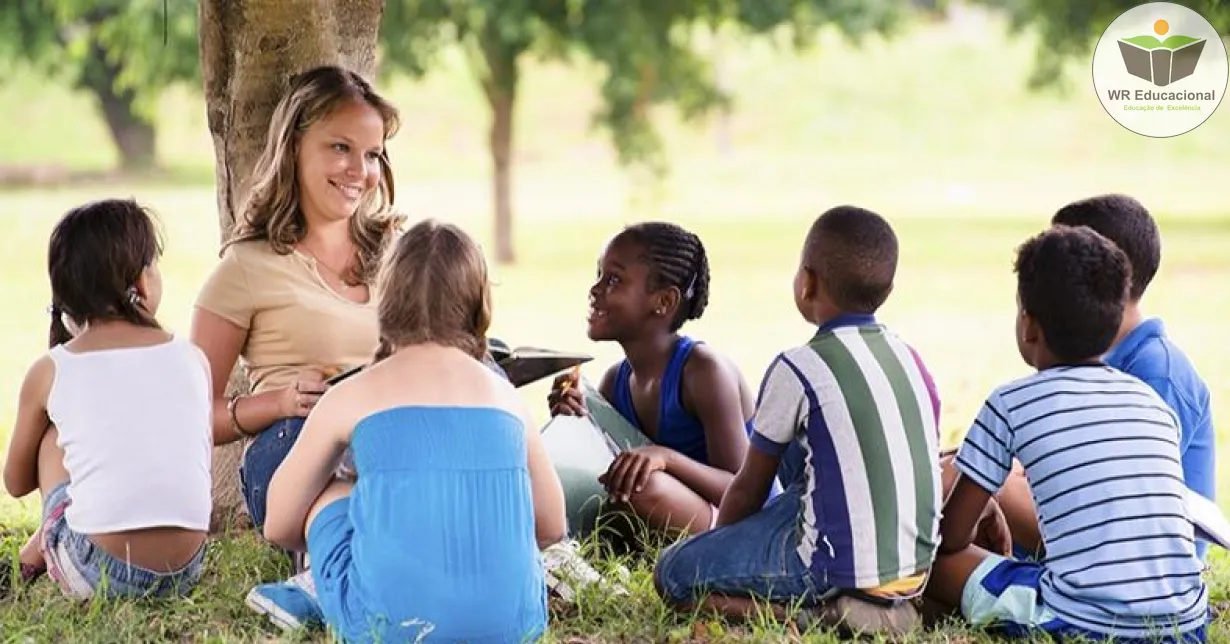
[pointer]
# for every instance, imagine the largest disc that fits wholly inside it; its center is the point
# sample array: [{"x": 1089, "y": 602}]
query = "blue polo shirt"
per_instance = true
[{"x": 1151, "y": 356}]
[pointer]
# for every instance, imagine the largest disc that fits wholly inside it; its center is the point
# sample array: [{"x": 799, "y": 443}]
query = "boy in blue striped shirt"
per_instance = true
[{"x": 1100, "y": 450}]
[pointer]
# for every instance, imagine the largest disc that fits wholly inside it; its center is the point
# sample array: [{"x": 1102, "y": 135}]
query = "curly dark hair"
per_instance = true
[
  {"x": 1125, "y": 222},
  {"x": 1074, "y": 283},
  {"x": 853, "y": 252},
  {"x": 676, "y": 257}
]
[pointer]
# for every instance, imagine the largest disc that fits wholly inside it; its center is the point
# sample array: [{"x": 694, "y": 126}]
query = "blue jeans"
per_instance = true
[
  {"x": 82, "y": 569},
  {"x": 261, "y": 459},
  {"x": 790, "y": 468},
  {"x": 756, "y": 557}
]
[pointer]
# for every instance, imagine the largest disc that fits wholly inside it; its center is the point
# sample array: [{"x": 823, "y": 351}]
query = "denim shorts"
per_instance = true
[
  {"x": 82, "y": 569},
  {"x": 261, "y": 459},
  {"x": 756, "y": 557}
]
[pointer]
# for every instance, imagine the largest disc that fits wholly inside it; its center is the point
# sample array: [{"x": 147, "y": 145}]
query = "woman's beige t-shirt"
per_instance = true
[{"x": 294, "y": 320}]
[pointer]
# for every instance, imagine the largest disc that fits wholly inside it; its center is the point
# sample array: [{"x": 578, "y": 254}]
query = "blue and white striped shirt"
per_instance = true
[{"x": 1100, "y": 450}]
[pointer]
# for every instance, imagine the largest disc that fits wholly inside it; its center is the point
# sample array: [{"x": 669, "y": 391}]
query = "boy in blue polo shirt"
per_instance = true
[
  {"x": 1100, "y": 450},
  {"x": 1142, "y": 349}
]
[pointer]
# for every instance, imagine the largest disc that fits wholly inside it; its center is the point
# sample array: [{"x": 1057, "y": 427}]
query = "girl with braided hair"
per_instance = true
[{"x": 692, "y": 404}]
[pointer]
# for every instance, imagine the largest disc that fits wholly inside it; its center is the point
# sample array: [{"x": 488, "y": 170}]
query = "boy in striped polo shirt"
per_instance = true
[
  {"x": 1143, "y": 349},
  {"x": 1100, "y": 451},
  {"x": 848, "y": 421}
]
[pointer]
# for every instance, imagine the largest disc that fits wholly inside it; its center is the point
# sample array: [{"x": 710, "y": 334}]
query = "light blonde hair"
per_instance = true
[
  {"x": 434, "y": 288},
  {"x": 272, "y": 211}
]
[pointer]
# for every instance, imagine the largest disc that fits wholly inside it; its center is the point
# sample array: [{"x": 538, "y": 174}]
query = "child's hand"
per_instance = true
[
  {"x": 565, "y": 397},
  {"x": 298, "y": 399},
  {"x": 992, "y": 532},
  {"x": 630, "y": 471}
]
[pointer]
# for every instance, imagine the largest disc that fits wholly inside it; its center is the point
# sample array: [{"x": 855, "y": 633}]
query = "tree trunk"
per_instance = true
[
  {"x": 133, "y": 134},
  {"x": 249, "y": 50},
  {"x": 500, "y": 88},
  {"x": 501, "y": 162}
]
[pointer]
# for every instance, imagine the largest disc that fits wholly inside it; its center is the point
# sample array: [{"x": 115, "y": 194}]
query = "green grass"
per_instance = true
[{"x": 935, "y": 130}]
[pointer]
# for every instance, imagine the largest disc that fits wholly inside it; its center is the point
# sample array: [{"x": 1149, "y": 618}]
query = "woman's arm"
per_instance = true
[
  {"x": 221, "y": 341},
  {"x": 21, "y": 464},
  {"x": 719, "y": 404},
  {"x": 307, "y": 470}
]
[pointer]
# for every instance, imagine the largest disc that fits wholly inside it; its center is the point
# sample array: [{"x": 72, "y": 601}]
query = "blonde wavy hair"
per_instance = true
[{"x": 272, "y": 211}]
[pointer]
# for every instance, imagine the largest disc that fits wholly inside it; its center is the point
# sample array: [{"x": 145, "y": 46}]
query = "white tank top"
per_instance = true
[{"x": 134, "y": 425}]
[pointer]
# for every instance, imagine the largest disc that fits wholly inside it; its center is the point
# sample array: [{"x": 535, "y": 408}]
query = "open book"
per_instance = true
[
  {"x": 1207, "y": 518},
  {"x": 530, "y": 364}
]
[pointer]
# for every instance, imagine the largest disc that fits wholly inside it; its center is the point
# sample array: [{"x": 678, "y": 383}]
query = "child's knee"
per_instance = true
[
  {"x": 664, "y": 571},
  {"x": 655, "y": 492}
]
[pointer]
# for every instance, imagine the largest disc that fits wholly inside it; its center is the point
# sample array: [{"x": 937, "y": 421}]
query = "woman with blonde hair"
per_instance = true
[
  {"x": 430, "y": 423},
  {"x": 293, "y": 295}
]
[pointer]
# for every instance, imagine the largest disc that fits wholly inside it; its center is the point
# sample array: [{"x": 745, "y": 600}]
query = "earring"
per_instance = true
[{"x": 134, "y": 297}]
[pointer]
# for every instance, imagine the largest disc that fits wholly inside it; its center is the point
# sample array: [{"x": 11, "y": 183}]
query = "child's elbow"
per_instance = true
[
  {"x": 551, "y": 531},
  {"x": 18, "y": 486},
  {"x": 279, "y": 534}
]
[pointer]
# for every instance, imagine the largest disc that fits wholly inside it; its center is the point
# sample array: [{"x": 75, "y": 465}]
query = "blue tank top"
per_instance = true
[
  {"x": 444, "y": 539},
  {"x": 677, "y": 429}
]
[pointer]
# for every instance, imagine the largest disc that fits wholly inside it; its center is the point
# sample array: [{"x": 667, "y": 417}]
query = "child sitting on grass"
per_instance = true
[
  {"x": 113, "y": 424},
  {"x": 855, "y": 531},
  {"x": 1100, "y": 452},
  {"x": 691, "y": 403},
  {"x": 439, "y": 536},
  {"x": 1141, "y": 348}
]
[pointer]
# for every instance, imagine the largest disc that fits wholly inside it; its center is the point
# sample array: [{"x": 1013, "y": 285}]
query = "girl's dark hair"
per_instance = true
[
  {"x": 675, "y": 258},
  {"x": 96, "y": 254}
]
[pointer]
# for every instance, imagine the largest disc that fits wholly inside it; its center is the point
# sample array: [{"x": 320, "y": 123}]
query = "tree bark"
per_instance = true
[
  {"x": 249, "y": 50},
  {"x": 133, "y": 134},
  {"x": 501, "y": 162},
  {"x": 500, "y": 88}
]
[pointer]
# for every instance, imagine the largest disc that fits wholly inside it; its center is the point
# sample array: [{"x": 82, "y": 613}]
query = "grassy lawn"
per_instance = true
[{"x": 965, "y": 163}]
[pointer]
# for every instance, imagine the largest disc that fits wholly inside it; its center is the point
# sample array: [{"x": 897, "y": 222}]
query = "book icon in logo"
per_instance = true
[{"x": 1161, "y": 62}]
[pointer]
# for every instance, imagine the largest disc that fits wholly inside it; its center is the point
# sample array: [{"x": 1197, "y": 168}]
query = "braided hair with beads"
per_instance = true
[{"x": 676, "y": 257}]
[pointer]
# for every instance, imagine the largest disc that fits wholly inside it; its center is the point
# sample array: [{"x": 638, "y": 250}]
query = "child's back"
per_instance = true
[
  {"x": 133, "y": 424},
  {"x": 856, "y": 402},
  {"x": 438, "y": 537},
  {"x": 847, "y": 423},
  {"x": 442, "y": 510},
  {"x": 1100, "y": 452},
  {"x": 1142, "y": 348},
  {"x": 113, "y": 424}
]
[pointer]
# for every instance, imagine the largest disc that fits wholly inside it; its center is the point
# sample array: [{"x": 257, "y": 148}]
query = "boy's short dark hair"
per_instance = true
[
  {"x": 1073, "y": 282},
  {"x": 1125, "y": 222},
  {"x": 853, "y": 252}
]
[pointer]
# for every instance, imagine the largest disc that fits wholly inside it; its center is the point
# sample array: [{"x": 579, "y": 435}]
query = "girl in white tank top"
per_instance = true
[{"x": 113, "y": 424}]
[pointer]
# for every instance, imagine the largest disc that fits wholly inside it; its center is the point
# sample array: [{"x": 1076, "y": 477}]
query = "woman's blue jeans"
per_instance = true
[{"x": 261, "y": 460}]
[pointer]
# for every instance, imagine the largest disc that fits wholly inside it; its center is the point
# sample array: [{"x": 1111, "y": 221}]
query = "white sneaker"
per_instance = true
[{"x": 567, "y": 571}]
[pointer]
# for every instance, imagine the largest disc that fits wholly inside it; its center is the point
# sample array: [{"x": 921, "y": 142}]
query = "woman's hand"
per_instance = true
[{"x": 298, "y": 399}]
